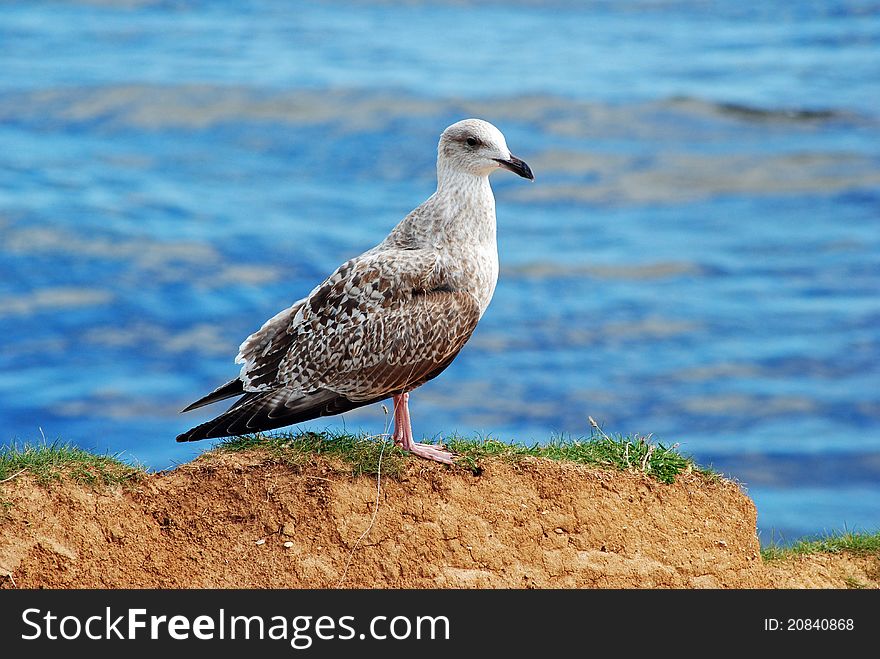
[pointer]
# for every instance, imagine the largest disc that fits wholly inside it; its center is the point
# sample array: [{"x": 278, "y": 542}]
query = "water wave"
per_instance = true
[{"x": 199, "y": 106}]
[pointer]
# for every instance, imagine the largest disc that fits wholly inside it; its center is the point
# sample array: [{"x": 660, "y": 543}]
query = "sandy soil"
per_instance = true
[{"x": 242, "y": 521}]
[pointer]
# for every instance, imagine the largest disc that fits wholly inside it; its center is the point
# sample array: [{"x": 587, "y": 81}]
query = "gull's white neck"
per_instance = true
[
  {"x": 457, "y": 225},
  {"x": 463, "y": 208},
  {"x": 463, "y": 231}
]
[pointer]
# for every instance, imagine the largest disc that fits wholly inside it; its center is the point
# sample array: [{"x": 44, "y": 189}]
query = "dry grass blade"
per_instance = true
[{"x": 15, "y": 475}]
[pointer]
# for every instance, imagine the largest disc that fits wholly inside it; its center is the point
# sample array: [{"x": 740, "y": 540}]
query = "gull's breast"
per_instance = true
[{"x": 474, "y": 269}]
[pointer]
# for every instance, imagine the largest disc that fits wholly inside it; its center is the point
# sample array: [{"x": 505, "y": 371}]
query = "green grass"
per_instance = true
[
  {"x": 833, "y": 543},
  {"x": 362, "y": 452},
  {"x": 51, "y": 461},
  {"x": 296, "y": 449},
  {"x": 631, "y": 453}
]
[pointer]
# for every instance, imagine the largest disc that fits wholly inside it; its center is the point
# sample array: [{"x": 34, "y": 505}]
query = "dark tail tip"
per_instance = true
[
  {"x": 192, "y": 435},
  {"x": 232, "y": 388}
]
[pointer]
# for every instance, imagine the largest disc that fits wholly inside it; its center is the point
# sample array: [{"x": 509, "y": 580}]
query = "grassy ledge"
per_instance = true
[
  {"x": 362, "y": 452},
  {"x": 834, "y": 543},
  {"x": 48, "y": 462}
]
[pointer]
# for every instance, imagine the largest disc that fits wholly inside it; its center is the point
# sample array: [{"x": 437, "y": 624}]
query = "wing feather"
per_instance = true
[
  {"x": 381, "y": 325},
  {"x": 376, "y": 326}
]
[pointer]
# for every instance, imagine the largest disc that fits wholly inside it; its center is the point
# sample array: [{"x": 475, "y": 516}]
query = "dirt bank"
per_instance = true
[{"x": 242, "y": 520}]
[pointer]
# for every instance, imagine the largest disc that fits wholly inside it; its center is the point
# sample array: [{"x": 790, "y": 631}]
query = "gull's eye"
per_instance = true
[{"x": 472, "y": 141}]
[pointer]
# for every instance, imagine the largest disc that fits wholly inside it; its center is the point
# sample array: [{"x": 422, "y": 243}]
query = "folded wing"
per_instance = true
[{"x": 377, "y": 327}]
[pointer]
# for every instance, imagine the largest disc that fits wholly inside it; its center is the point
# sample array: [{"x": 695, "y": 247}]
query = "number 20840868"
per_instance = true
[{"x": 808, "y": 624}]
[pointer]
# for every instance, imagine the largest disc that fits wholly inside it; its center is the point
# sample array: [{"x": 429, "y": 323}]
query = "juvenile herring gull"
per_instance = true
[{"x": 386, "y": 321}]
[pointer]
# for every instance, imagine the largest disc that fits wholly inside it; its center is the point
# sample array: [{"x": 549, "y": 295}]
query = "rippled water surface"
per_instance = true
[{"x": 698, "y": 258}]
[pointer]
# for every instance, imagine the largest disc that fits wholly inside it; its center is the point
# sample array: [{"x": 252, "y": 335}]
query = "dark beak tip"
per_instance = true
[{"x": 518, "y": 167}]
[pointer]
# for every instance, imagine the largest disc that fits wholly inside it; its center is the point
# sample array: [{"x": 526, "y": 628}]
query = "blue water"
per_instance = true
[{"x": 698, "y": 258}]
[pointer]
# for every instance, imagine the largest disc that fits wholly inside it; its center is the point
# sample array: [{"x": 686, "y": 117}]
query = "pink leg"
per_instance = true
[
  {"x": 399, "y": 436},
  {"x": 403, "y": 436}
]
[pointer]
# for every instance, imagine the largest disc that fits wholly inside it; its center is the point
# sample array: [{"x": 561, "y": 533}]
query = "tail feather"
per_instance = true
[
  {"x": 232, "y": 388},
  {"x": 259, "y": 411}
]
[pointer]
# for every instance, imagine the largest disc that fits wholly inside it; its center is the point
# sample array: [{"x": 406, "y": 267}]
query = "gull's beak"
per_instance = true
[{"x": 517, "y": 166}]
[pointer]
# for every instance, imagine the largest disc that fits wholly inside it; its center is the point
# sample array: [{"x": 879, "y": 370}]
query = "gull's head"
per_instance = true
[{"x": 476, "y": 147}]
